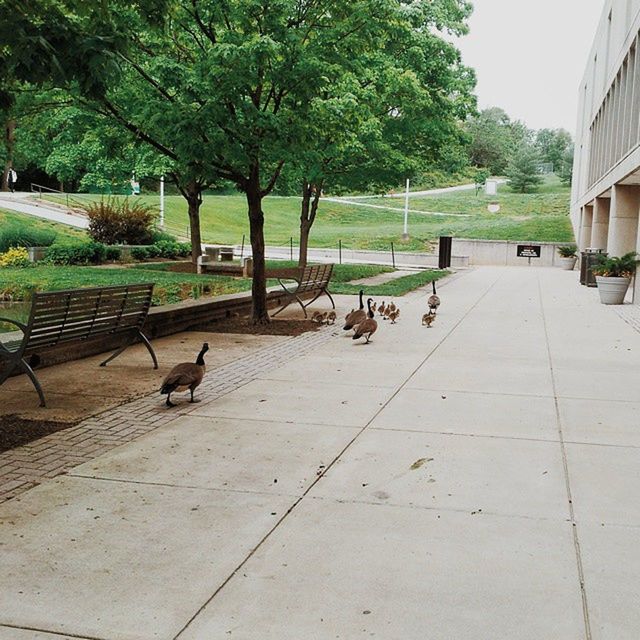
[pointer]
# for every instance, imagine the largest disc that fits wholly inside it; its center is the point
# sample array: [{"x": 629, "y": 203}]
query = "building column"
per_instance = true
[
  {"x": 586, "y": 223},
  {"x": 600, "y": 226},
  {"x": 623, "y": 219}
]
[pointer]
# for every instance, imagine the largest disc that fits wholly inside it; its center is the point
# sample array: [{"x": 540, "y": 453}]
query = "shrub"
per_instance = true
[
  {"x": 184, "y": 249},
  {"x": 157, "y": 235},
  {"x": 76, "y": 253},
  {"x": 168, "y": 249},
  {"x": 622, "y": 267},
  {"x": 15, "y": 257},
  {"x": 121, "y": 221},
  {"x": 113, "y": 253},
  {"x": 140, "y": 253},
  {"x": 568, "y": 251},
  {"x": 20, "y": 236}
]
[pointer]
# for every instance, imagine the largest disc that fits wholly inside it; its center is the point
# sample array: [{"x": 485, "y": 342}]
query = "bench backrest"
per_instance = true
[
  {"x": 315, "y": 277},
  {"x": 72, "y": 315}
]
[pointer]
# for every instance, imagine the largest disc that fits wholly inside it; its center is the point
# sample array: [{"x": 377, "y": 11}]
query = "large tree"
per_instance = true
[{"x": 393, "y": 113}]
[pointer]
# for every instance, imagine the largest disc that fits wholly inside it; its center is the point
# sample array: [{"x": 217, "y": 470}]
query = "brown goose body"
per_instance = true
[
  {"x": 186, "y": 375},
  {"x": 434, "y": 301},
  {"x": 367, "y": 327},
  {"x": 355, "y": 317}
]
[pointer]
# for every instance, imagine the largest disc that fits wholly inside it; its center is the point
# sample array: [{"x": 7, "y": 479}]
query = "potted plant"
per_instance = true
[
  {"x": 613, "y": 276},
  {"x": 568, "y": 256}
]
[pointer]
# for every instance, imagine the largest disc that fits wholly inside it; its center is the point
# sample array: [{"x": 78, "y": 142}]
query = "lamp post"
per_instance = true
[
  {"x": 405, "y": 234},
  {"x": 162, "y": 201}
]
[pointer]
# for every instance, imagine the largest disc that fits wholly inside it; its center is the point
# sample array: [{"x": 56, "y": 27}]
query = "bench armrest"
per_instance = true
[{"x": 20, "y": 325}]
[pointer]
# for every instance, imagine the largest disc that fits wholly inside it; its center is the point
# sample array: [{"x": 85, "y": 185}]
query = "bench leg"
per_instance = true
[
  {"x": 29, "y": 371},
  {"x": 114, "y": 355},
  {"x": 147, "y": 344},
  {"x": 330, "y": 298}
]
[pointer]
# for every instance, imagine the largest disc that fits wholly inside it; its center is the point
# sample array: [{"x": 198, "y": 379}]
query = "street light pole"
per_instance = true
[
  {"x": 162, "y": 201},
  {"x": 405, "y": 235}
]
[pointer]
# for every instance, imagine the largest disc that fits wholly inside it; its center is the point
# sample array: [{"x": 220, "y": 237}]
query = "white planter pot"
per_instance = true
[
  {"x": 567, "y": 263},
  {"x": 612, "y": 290}
]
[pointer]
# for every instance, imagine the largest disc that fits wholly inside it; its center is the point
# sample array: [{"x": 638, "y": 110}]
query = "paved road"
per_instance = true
[
  {"x": 475, "y": 480},
  {"x": 22, "y": 203},
  {"x": 426, "y": 192}
]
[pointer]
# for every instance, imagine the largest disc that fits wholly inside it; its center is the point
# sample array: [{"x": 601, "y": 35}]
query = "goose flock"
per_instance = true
[{"x": 189, "y": 375}]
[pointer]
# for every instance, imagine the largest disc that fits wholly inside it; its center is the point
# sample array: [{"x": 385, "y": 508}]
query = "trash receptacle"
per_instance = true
[{"x": 588, "y": 259}]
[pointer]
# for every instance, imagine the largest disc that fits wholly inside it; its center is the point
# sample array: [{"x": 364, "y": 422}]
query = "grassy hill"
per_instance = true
[
  {"x": 21, "y": 229},
  {"x": 541, "y": 216}
]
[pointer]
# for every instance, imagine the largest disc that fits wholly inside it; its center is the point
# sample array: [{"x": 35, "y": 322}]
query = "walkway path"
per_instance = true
[
  {"x": 478, "y": 479},
  {"x": 22, "y": 203},
  {"x": 426, "y": 192}
]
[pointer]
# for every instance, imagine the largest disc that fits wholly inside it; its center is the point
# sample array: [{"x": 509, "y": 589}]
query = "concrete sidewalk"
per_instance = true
[{"x": 476, "y": 480}]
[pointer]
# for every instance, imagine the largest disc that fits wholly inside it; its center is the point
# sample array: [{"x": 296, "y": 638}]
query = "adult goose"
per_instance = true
[
  {"x": 355, "y": 317},
  {"x": 368, "y": 326},
  {"x": 434, "y": 301},
  {"x": 186, "y": 375}
]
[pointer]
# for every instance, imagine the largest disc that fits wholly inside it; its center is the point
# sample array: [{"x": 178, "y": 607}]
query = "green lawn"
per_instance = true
[
  {"x": 21, "y": 229},
  {"x": 530, "y": 217},
  {"x": 18, "y": 284}
]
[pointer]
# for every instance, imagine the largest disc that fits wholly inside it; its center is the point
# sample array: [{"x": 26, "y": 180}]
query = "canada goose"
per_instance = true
[
  {"x": 382, "y": 309},
  {"x": 374, "y": 306},
  {"x": 428, "y": 319},
  {"x": 316, "y": 317},
  {"x": 393, "y": 316},
  {"x": 356, "y": 316},
  {"x": 434, "y": 301},
  {"x": 331, "y": 317},
  {"x": 186, "y": 375},
  {"x": 367, "y": 327},
  {"x": 391, "y": 307}
]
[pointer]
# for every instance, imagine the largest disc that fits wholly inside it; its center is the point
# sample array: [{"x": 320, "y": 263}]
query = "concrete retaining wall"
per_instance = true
[{"x": 504, "y": 253}]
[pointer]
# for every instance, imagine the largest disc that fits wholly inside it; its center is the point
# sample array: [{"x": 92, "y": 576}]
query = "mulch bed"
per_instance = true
[
  {"x": 274, "y": 328},
  {"x": 16, "y": 431}
]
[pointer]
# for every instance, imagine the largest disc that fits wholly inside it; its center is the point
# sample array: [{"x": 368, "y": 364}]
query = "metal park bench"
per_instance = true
[
  {"x": 309, "y": 279},
  {"x": 73, "y": 316}
]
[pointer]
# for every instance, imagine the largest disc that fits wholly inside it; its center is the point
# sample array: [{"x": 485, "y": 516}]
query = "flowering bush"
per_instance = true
[{"x": 15, "y": 257}]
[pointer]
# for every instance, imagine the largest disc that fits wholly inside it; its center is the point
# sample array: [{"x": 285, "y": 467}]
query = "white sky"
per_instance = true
[{"x": 529, "y": 56}]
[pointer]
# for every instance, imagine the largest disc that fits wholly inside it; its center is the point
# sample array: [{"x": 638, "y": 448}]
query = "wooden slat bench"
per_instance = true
[
  {"x": 309, "y": 279},
  {"x": 72, "y": 316}
]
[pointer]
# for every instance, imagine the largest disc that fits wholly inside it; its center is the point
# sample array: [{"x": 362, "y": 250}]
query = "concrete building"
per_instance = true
[{"x": 605, "y": 200}]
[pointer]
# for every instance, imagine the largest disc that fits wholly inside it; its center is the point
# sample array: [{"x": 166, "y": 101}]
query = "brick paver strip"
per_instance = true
[{"x": 24, "y": 467}]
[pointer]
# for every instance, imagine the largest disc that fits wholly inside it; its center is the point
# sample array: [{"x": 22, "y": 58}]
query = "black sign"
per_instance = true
[{"x": 529, "y": 250}]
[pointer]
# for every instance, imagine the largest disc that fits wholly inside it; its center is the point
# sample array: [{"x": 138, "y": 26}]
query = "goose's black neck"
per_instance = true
[
  {"x": 369, "y": 301},
  {"x": 200, "y": 359},
  {"x": 361, "y": 295}
]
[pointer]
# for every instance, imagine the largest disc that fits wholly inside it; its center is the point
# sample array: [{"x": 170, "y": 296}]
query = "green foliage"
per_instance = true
[
  {"x": 397, "y": 287},
  {"x": 568, "y": 251},
  {"x": 553, "y": 145},
  {"x": 523, "y": 171},
  {"x": 493, "y": 139},
  {"x": 18, "y": 284},
  {"x": 616, "y": 267},
  {"x": 565, "y": 171},
  {"x": 162, "y": 249},
  {"x": 76, "y": 252},
  {"x": 15, "y": 257},
  {"x": 120, "y": 221},
  {"x": 112, "y": 253}
]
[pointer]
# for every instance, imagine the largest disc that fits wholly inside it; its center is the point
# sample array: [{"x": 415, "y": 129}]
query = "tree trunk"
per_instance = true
[
  {"x": 259, "y": 313},
  {"x": 309, "y": 208},
  {"x": 194, "y": 199},
  {"x": 305, "y": 227},
  {"x": 9, "y": 142}
]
